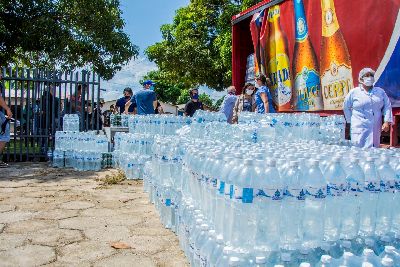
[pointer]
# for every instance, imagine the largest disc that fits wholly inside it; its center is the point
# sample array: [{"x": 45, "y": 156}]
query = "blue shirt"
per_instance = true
[
  {"x": 121, "y": 105},
  {"x": 227, "y": 106},
  {"x": 144, "y": 101},
  {"x": 260, "y": 103}
]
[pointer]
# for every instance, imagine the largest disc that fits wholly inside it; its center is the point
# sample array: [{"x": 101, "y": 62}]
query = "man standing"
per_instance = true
[
  {"x": 194, "y": 103},
  {"x": 145, "y": 100},
  {"x": 4, "y": 125},
  {"x": 228, "y": 103},
  {"x": 122, "y": 101}
]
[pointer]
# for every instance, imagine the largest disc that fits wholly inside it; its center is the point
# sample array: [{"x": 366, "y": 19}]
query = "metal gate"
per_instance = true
[{"x": 39, "y": 99}]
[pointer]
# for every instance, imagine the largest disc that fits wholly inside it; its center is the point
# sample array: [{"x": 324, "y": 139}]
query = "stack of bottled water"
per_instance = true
[
  {"x": 299, "y": 126},
  {"x": 119, "y": 120},
  {"x": 156, "y": 124},
  {"x": 131, "y": 151},
  {"x": 71, "y": 123},
  {"x": 288, "y": 202},
  {"x": 79, "y": 150}
]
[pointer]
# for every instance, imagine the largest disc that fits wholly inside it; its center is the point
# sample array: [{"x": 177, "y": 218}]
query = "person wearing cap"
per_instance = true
[
  {"x": 193, "y": 104},
  {"x": 229, "y": 103},
  {"x": 120, "y": 104},
  {"x": 4, "y": 137},
  {"x": 364, "y": 107},
  {"x": 263, "y": 96},
  {"x": 145, "y": 100}
]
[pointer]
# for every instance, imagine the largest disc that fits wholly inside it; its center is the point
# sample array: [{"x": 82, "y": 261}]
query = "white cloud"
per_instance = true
[{"x": 129, "y": 76}]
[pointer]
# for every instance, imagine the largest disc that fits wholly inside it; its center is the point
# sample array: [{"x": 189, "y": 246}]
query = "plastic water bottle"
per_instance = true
[
  {"x": 391, "y": 252},
  {"x": 387, "y": 190},
  {"x": 268, "y": 201},
  {"x": 387, "y": 262},
  {"x": 199, "y": 243},
  {"x": 292, "y": 208},
  {"x": 335, "y": 200},
  {"x": 217, "y": 252},
  {"x": 350, "y": 222},
  {"x": 368, "y": 255},
  {"x": 313, "y": 222},
  {"x": 223, "y": 260},
  {"x": 370, "y": 198},
  {"x": 326, "y": 261}
]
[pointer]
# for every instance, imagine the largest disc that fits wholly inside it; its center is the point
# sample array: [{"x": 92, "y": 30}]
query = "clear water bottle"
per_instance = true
[{"x": 313, "y": 222}]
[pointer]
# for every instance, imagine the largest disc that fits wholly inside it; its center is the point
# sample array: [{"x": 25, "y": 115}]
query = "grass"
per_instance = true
[{"x": 113, "y": 179}]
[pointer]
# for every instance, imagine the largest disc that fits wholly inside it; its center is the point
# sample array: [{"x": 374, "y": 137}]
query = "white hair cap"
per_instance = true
[{"x": 363, "y": 72}]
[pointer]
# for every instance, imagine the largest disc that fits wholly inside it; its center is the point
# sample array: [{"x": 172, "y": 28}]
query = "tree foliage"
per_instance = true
[
  {"x": 65, "y": 33},
  {"x": 196, "y": 48}
]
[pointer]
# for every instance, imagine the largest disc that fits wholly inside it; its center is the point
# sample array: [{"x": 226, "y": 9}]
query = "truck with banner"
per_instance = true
[{"x": 313, "y": 50}]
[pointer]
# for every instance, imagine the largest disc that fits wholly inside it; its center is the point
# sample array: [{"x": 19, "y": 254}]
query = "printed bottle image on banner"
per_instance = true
[
  {"x": 336, "y": 71},
  {"x": 278, "y": 61},
  {"x": 307, "y": 85},
  {"x": 255, "y": 29}
]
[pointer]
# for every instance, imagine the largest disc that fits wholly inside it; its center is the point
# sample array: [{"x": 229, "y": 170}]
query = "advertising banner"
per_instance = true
[{"x": 313, "y": 50}]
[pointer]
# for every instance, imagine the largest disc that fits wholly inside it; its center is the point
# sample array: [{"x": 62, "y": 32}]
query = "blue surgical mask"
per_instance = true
[
  {"x": 195, "y": 96},
  {"x": 152, "y": 88}
]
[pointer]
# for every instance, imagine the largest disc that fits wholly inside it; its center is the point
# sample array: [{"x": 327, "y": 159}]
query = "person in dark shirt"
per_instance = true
[
  {"x": 194, "y": 103},
  {"x": 123, "y": 100}
]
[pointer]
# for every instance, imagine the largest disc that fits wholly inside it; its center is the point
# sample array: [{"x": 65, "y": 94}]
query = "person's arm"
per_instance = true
[
  {"x": 154, "y": 101},
  {"x": 127, "y": 105},
  {"x": 6, "y": 108},
  {"x": 348, "y": 107},
  {"x": 264, "y": 99},
  {"x": 201, "y": 105},
  {"x": 387, "y": 113}
]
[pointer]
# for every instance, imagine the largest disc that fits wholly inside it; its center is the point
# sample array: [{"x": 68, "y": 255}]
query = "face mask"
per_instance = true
[
  {"x": 195, "y": 96},
  {"x": 257, "y": 86},
  {"x": 152, "y": 88},
  {"x": 249, "y": 91},
  {"x": 368, "y": 81},
  {"x": 127, "y": 97}
]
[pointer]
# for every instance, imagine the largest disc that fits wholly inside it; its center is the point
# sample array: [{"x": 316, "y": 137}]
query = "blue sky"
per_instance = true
[{"x": 143, "y": 19}]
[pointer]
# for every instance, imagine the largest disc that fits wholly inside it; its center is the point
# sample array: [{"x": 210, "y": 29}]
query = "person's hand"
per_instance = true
[
  {"x": 9, "y": 113},
  {"x": 386, "y": 127}
]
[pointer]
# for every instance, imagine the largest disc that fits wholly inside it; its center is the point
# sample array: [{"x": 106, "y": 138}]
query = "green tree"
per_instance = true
[
  {"x": 66, "y": 34},
  {"x": 196, "y": 48}
]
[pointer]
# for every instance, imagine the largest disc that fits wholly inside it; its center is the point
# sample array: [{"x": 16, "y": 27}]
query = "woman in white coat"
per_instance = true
[{"x": 364, "y": 108}]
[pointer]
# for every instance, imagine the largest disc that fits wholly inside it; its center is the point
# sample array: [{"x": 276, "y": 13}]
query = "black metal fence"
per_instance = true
[{"x": 39, "y": 100}]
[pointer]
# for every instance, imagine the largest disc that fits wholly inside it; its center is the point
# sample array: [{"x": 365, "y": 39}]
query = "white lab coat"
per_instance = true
[{"x": 364, "y": 111}]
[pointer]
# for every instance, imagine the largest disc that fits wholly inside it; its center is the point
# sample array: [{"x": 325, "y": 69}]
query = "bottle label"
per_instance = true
[
  {"x": 221, "y": 187},
  {"x": 269, "y": 193},
  {"x": 299, "y": 194},
  {"x": 227, "y": 190},
  {"x": 336, "y": 84},
  {"x": 354, "y": 189},
  {"x": 213, "y": 183},
  {"x": 372, "y": 187},
  {"x": 335, "y": 190},
  {"x": 280, "y": 77},
  {"x": 330, "y": 24},
  {"x": 316, "y": 193},
  {"x": 245, "y": 195},
  {"x": 387, "y": 186},
  {"x": 308, "y": 90}
]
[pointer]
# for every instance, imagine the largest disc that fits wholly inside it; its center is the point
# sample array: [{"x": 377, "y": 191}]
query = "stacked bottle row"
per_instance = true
[
  {"x": 131, "y": 152},
  {"x": 311, "y": 200},
  {"x": 157, "y": 124},
  {"x": 299, "y": 126},
  {"x": 119, "y": 120},
  {"x": 83, "y": 151}
]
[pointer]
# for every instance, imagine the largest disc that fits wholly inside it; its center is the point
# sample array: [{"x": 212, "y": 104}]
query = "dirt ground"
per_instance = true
[{"x": 54, "y": 217}]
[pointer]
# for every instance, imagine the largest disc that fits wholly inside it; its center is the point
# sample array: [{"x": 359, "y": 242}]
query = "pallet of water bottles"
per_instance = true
[
  {"x": 235, "y": 202},
  {"x": 82, "y": 151}
]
